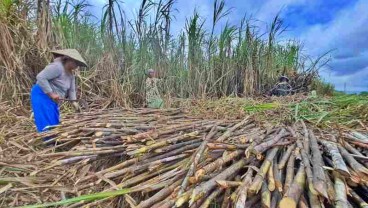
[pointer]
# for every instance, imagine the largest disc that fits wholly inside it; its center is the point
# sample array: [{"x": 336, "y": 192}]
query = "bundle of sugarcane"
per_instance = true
[{"x": 163, "y": 158}]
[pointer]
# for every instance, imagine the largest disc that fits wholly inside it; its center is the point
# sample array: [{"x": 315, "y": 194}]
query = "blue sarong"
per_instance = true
[{"x": 45, "y": 110}]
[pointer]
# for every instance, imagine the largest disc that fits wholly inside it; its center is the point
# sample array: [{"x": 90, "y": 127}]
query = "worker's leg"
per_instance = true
[{"x": 46, "y": 111}]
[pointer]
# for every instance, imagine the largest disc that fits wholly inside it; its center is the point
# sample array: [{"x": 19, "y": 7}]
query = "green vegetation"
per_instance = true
[
  {"x": 83, "y": 198},
  {"x": 197, "y": 62},
  {"x": 338, "y": 109}
]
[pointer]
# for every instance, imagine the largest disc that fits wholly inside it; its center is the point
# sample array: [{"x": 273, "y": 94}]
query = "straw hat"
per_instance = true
[{"x": 73, "y": 54}]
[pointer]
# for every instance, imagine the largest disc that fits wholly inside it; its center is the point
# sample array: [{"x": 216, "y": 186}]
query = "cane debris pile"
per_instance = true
[{"x": 164, "y": 158}]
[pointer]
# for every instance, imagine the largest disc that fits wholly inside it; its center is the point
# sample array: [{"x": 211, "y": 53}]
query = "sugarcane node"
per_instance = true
[
  {"x": 193, "y": 180},
  {"x": 65, "y": 134},
  {"x": 222, "y": 184},
  {"x": 259, "y": 156},
  {"x": 199, "y": 174}
]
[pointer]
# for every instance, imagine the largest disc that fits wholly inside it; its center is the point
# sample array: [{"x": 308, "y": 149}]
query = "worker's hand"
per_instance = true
[
  {"x": 77, "y": 107},
  {"x": 55, "y": 97}
]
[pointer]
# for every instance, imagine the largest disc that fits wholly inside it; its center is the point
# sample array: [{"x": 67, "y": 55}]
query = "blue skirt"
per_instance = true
[{"x": 45, "y": 110}]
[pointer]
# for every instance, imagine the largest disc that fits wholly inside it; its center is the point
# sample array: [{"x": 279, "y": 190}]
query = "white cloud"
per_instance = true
[
  {"x": 355, "y": 82},
  {"x": 339, "y": 31},
  {"x": 346, "y": 34},
  {"x": 270, "y": 8}
]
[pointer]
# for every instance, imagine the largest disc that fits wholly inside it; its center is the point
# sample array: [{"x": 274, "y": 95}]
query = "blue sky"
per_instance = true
[{"x": 321, "y": 25}]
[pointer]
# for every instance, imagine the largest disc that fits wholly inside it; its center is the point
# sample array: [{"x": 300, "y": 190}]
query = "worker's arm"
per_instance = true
[{"x": 50, "y": 72}]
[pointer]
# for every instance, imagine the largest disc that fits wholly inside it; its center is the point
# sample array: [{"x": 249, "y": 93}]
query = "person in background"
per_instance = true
[
  {"x": 282, "y": 88},
  {"x": 153, "y": 98},
  {"x": 55, "y": 83}
]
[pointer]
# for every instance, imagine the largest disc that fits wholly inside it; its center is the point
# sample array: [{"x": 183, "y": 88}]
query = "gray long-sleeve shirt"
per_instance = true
[{"x": 55, "y": 79}]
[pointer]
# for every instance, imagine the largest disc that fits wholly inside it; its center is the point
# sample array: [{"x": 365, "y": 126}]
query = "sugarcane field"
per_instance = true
[{"x": 193, "y": 104}]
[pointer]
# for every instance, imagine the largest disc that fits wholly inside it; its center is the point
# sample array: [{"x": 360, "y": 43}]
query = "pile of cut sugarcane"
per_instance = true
[{"x": 163, "y": 158}]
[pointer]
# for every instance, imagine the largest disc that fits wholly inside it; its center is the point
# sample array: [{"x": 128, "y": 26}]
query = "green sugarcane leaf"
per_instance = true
[
  {"x": 89, "y": 197},
  {"x": 296, "y": 112},
  {"x": 324, "y": 114}
]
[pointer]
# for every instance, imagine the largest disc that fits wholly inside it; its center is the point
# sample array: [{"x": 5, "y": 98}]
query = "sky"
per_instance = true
[{"x": 338, "y": 26}]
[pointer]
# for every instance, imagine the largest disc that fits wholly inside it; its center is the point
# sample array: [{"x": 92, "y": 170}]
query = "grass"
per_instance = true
[{"x": 340, "y": 109}]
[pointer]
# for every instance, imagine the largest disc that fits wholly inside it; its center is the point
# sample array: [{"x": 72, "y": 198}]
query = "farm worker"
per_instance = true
[
  {"x": 282, "y": 88},
  {"x": 153, "y": 98},
  {"x": 55, "y": 83}
]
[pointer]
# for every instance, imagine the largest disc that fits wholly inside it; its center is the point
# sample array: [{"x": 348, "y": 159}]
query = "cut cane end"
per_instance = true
[
  {"x": 287, "y": 202},
  {"x": 180, "y": 202},
  {"x": 199, "y": 174},
  {"x": 271, "y": 187},
  {"x": 192, "y": 180},
  {"x": 99, "y": 133}
]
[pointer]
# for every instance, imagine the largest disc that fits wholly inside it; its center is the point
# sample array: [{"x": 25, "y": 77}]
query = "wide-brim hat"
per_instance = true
[{"x": 73, "y": 54}]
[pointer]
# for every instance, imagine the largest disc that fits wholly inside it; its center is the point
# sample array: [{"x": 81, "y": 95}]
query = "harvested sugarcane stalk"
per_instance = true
[
  {"x": 196, "y": 157},
  {"x": 291, "y": 197},
  {"x": 211, "y": 197},
  {"x": 330, "y": 189},
  {"x": 340, "y": 190},
  {"x": 226, "y": 200},
  {"x": 302, "y": 202},
  {"x": 271, "y": 178},
  {"x": 228, "y": 133},
  {"x": 337, "y": 159},
  {"x": 163, "y": 143},
  {"x": 306, "y": 142},
  {"x": 226, "y": 146},
  {"x": 176, "y": 146},
  {"x": 278, "y": 176},
  {"x": 357, "y": 199},
  {"x": 355, "y": 165},
  {"x": 199, "y": 191},
  {"x": 266, "y": 145},
  {"x": 307, "y": 166},
  {"x": 286, "y": 156},
  {"x": 156, "y": 151},
  {"x": 253, "y": 202},
  {"x": 258, "y": 180},
  {"x": 266, "y": 195},
  {"x": 289, "y": 172},
  {"x": 241, "y": 194},
  {"x": 228, "y": 184},
  {"x": 313, "y": 200},
  {"x": 145, "y": 166},
  {"x": 275, "y": 198},
  {"x": 319, "y": 178},
  {"x": 216, "y": 164},
  {"x": 198, "y": 203}
]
